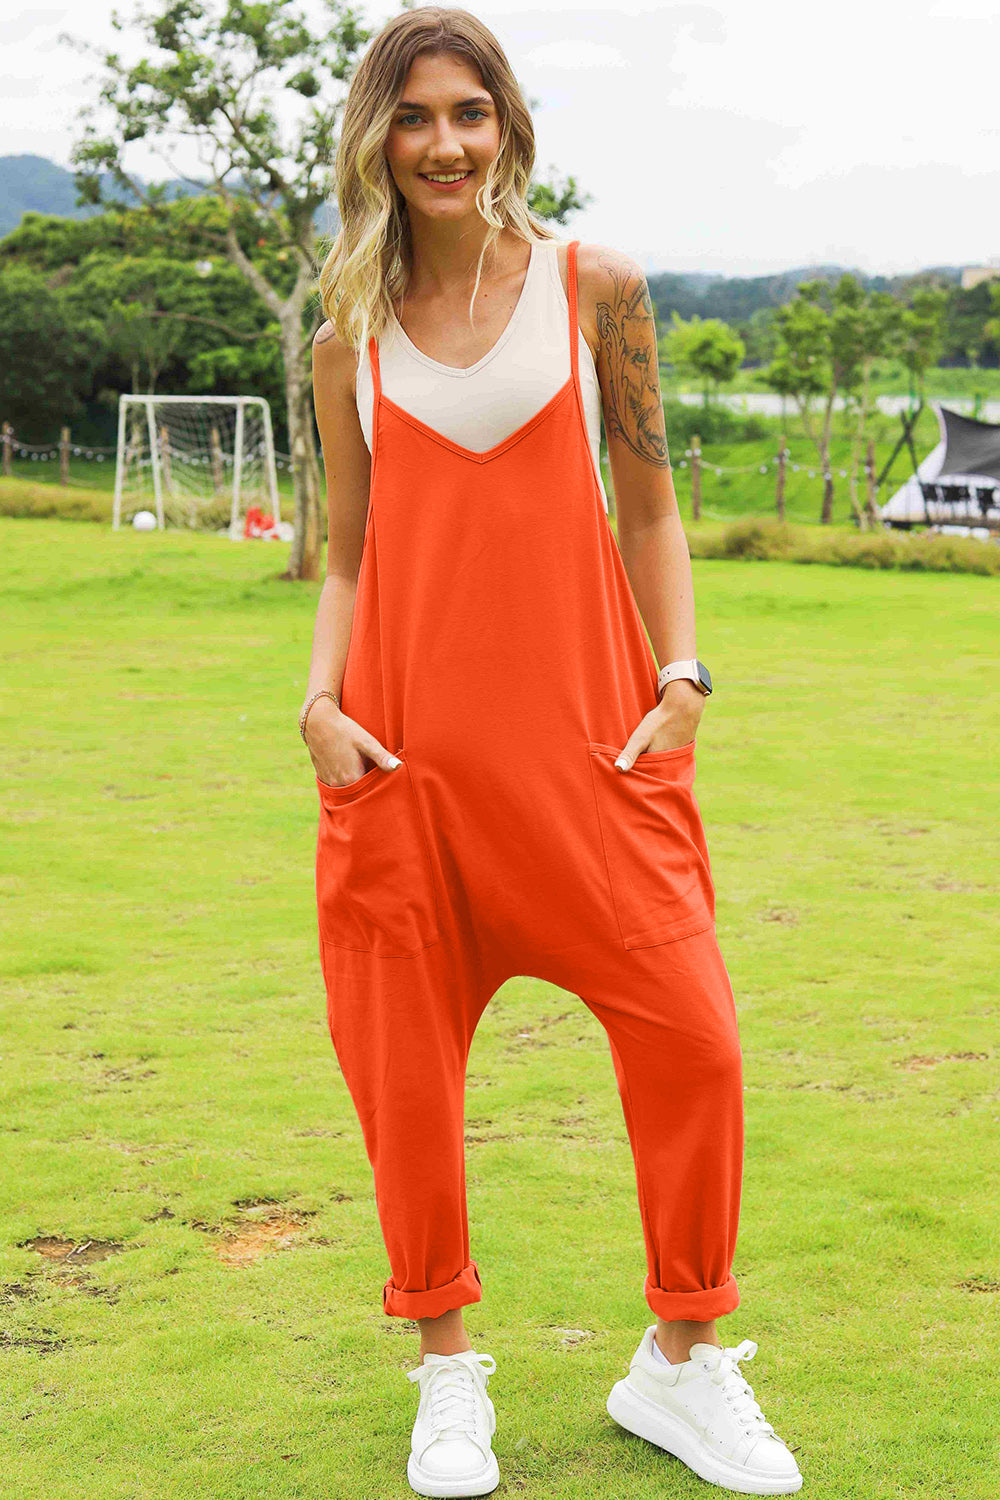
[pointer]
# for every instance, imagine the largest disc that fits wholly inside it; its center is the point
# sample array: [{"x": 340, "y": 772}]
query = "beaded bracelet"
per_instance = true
[{"x": 323, "y": 693}]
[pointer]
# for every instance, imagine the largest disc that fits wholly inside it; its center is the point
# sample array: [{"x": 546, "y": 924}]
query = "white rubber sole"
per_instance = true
[
  {"x": 646, "y": 1419},
  {"x": 428, "y": 1484}
]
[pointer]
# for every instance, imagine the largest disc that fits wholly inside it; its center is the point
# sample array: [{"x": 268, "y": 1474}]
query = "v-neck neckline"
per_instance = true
[
  {"x": 458, "y": 371},
  {"x": 498, "y": 448}
]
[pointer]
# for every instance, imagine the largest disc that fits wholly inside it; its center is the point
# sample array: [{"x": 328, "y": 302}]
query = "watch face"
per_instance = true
[{"x": 706, "y": 680}]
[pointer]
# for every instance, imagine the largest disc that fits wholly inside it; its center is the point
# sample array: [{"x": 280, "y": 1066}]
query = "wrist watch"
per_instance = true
[{"x": 695, "y": 669}]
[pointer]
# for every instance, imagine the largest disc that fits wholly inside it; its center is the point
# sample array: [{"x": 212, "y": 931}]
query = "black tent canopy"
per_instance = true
[{"x": 971, "y": 447}]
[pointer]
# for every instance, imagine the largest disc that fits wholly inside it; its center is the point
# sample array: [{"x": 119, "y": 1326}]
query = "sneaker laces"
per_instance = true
[
  {"x": 452, "y": 1382},
  {"x": 723, "y": 1368}
]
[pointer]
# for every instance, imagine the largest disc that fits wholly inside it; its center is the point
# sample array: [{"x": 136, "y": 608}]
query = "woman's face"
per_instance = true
[{"x": 445, "y": 123}]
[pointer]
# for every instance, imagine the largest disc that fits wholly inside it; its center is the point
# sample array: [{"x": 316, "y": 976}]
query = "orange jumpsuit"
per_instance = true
[{"x": 498, "y": 651}]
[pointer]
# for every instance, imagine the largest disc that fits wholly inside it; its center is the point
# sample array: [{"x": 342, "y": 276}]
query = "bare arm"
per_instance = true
[
  {"x": 616, "y": 309},
  {"x": 335, "y": 742}
]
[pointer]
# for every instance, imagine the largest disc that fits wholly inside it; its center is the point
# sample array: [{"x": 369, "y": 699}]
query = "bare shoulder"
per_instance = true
[
  {"x": 334, "y": 362},
  {"x": 611, "y": 279}
]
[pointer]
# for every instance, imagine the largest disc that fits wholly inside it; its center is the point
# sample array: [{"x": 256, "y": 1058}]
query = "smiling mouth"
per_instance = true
[{"x": 429, "y": 178}]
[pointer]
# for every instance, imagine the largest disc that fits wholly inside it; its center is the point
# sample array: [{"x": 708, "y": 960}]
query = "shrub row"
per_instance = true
[{"x": 912, "y": 551}]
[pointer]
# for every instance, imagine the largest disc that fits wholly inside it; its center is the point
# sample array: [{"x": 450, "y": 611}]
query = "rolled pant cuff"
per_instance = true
[
  {"x": 700, "y": 1306},
  {"x": 464, "y": 1288}
]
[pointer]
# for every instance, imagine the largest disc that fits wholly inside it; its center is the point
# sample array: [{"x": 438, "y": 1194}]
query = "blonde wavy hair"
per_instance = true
[{"x": 368, "y": 268}]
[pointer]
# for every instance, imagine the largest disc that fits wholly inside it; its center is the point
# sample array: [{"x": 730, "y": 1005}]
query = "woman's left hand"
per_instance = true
[{"x": 673, "y": 722}]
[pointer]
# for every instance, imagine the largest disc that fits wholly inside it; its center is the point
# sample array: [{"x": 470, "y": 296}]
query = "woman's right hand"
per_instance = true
[{"x": 338, "y": 745}]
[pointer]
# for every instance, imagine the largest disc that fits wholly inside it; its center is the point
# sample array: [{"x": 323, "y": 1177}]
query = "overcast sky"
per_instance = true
[{"x": 745, "y": 136}]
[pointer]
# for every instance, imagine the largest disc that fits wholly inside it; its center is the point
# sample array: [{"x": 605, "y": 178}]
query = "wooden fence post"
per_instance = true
[
  {"x": 8, "y": 443},
  {"x": 64, "y": 456},
  {"x": 779, "y": 497},
  {"x": 696, "y": 477}
]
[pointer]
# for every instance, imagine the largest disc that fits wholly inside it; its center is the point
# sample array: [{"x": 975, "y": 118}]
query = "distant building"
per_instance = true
[{"x": 973, "y": 275}]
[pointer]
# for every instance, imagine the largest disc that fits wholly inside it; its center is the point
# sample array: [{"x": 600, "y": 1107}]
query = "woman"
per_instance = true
[{"x": 504, "y": 778}]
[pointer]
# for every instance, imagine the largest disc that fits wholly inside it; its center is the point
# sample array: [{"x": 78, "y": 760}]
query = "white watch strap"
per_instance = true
[{"x": 677, "y": 669}]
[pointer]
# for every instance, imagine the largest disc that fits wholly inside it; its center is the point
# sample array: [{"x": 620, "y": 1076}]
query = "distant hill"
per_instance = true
[
  {"x": 734, "y": 299},
  {"x": 33, "y": 183}
]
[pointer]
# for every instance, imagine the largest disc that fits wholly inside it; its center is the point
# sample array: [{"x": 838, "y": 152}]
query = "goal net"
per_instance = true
[{"x": 195, "y": 461}]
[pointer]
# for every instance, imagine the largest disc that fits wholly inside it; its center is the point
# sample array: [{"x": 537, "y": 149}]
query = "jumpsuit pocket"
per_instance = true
[
  {"x": 374, "y": 882},
  {"x": 654, "y": 844}
]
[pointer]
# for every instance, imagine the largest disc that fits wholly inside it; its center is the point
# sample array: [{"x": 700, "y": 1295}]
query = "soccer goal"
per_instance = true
[{"x": 195, "y": 461}]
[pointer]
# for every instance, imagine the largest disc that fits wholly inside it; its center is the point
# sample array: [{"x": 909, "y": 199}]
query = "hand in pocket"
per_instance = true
[{"x": 338, "y": 746}]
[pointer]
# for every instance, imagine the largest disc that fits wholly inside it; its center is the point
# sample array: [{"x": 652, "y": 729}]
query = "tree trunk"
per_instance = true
[
  {"x": 871, "y": 504},
  {"x": 826, "y": 514},
  {"x": 856, "y": 447},
  {"x": 303, "y": 559}
]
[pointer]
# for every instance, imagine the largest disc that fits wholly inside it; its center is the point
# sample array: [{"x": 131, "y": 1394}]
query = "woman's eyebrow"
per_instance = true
[{"x": 459, "y": 104}]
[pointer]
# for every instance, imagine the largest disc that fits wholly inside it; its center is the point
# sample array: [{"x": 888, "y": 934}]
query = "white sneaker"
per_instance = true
[
  {"x": 450, "y": 1449},
  {"x": 704, "y": 1412}
]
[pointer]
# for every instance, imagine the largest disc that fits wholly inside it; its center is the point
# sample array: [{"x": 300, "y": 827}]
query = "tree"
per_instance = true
[
  {"x": 47, "y": 357},
  {"x": 922, "y": 333},
  {"x": 991, "y": 328},
  {"x": 864, "y": 327},
  {"x": 824, "y": 349},
  {"x": 707, "y": 349},
  {"x": 257, "y": 87}
]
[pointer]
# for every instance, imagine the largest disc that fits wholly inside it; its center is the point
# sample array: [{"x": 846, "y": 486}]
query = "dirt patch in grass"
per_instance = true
[
  {"x": 72, "y": 1252},
  {"x": 241, "y": 1247},
  {"x": 262, "y": 1226},
  {"x": 42, "y": 1340},
  {"x": 569, "y": 1338},
  {"x": 780, "y": 914},
  {"x": 919, "y": 1064},
  {"x": 68, "y": 1257},
  {"x": 82, "y": 1282},
  {"x": 978, "y": 1284}
]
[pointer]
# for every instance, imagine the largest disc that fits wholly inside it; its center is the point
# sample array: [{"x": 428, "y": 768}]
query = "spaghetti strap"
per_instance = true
[
  {"x": 376, "y": 396},
  {"x": 574, "y": 327}
]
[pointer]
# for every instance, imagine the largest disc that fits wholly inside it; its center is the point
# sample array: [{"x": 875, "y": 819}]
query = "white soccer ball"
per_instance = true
[{"x": 144, "y": 520}]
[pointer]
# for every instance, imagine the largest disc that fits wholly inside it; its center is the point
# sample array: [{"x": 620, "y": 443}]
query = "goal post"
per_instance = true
[{"x": 195, "y": 461}]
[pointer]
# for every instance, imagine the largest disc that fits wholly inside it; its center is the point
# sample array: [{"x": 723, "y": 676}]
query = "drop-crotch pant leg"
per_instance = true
[
  {"x": 670, "y": 1018},
  {"x": 402, "y": 1026}
]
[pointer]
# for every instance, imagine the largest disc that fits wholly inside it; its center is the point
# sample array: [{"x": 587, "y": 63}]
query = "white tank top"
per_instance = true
[{"x": 525, "y": 368}]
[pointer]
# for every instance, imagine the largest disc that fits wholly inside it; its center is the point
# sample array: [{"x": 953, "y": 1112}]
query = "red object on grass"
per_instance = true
[{"x": 258, "y": 522}]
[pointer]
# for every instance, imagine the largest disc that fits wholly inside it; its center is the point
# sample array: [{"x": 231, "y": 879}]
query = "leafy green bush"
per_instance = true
[{"x": 713, "y": 424}]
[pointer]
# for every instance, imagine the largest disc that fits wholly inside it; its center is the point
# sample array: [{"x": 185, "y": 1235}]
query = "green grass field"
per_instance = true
[{"x": 190, "y": 1258}]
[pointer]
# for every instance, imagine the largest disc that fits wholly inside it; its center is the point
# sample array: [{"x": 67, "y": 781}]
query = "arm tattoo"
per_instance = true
[{"x": 627, "y": 330}]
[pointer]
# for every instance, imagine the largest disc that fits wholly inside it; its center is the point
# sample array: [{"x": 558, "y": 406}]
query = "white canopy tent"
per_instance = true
[{"x": 956, "y": 488}]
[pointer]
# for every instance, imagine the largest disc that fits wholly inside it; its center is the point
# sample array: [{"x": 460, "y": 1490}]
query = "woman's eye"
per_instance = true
[{"x": 480, "y": 113}]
